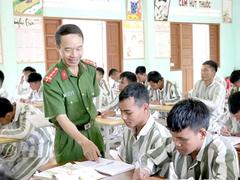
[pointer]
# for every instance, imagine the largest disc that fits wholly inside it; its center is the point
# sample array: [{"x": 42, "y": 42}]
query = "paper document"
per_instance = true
[
  {"x": 107, "y": 166},
  {"x": 69, "y": 171},
  {"x": 234, "y": 140}
]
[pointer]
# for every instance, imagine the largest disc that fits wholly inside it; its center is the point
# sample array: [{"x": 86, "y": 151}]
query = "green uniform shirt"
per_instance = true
[{"x": 67, "y": 94}]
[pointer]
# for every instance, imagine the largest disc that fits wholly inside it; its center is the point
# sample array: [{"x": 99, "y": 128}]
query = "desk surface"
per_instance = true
[
  {"x": 7, "y": 140},
  {"x": 110, "y": 121},
  {"x": 162, "y": 108}
]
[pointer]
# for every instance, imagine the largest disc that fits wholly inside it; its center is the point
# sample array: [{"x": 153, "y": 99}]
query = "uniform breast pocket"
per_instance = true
[{"x": 73, "y": 108}]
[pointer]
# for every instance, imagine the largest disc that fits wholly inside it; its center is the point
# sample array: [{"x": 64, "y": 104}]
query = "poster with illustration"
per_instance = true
[
  {"x": 161, "y": 10},
  {"x": 227, "y": 11},
  {"x": 29, "y": 39},
  {"x": 133, "y": 40},
  {"x": 31, "y": 7},
  {"x": 134, "y": 9}
]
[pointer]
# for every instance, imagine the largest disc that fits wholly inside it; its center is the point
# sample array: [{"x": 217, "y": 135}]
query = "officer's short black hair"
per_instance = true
[
  {"x": 29, "y": 68},
  {"x": 154, "y": 76},
  {"x": 1, "y": 78},
  {"x": 34, "y": 77},
  {"x": 235, "y": 76},
  {"x": 140, "y": 70},
  {"x": 234, "y": 102},
  {"x": 5, "y": 107},
  {"x": 188, "y": 113},
  {"x": 100, "y": 70},
  {"x": 136, "y": 90},
  {"x": 112, "y": 71},
  {"x": 65, "y": 30},
  {"x": 212, "y": 64},
  {"x": 131, "y": 77}
]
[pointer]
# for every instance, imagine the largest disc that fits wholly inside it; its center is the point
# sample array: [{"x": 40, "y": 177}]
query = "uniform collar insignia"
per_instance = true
[{"x": 64, "y": 75}]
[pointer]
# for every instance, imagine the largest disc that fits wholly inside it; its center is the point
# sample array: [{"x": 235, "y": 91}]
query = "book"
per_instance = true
[
  {"x": 69, "y": 171},
  {"x": 108, "y": 166},
  {"x": 85, "y": 170}
]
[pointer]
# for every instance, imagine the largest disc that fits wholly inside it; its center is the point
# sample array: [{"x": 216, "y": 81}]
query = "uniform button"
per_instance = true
[
  {"x": 87, "y": 108},
  {"x": 93, "y": 94},
  {"x": 82, "y": 94},
  {"x": 71, "y": 102}
]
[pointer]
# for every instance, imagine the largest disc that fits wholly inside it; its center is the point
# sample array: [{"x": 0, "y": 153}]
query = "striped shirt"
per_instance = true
[
  {"x": 105, "y": 95},
  {"x": 36, "y": 95},
  {"x": 21, "y": 159},
  {"x": 148, "y": 139},
  {"x": 217, "y": 159},
  {"x": 213, "y": 96},
  {"x": 231, "y": 123},
  {"x": 169, "y": 93},
  {"x": 234, "y": 89}
]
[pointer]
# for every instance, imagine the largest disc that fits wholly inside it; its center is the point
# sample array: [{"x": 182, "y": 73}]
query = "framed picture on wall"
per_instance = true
[
  {"x": 227, "y": 11},
  {"x": 133, "y": 40},
  {"x": 134, "y": 9},
  {"x": 161, "y": 10},
  {"x": 28, "y": 7},
  {"x": 29, "y": 39}
]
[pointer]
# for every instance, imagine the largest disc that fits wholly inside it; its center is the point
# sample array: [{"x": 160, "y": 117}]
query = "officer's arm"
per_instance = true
[{"x": 90, "y": 150}]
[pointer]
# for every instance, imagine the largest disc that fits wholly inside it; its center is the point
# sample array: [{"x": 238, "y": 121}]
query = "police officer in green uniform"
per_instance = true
[{"x": 69, "y": 88}]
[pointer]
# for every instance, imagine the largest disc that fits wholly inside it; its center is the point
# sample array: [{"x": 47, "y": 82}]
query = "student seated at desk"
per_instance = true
[
  {"x": 232, "y": 126},
  {"x": 161, "y": 90},
  {"x": 210, "y": 92},
  {"x": 143, "y": 133},
  {"x": 235, "y": 80},
  {"x": 23, "y": 89},
  {"x": 126, "y": 78},
  {"x": 36, "y": 95},
  {"x": 193, "y": 152},
  {"x": 21, "y": 159}
]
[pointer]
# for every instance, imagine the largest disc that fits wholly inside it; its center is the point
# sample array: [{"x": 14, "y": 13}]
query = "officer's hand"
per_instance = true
[{"x": 90, "y": 150}]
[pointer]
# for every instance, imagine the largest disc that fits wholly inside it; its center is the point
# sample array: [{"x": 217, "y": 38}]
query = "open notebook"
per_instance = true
[
  {"x": 86, "y": 170},
  {"x": 107, "y": 166}
]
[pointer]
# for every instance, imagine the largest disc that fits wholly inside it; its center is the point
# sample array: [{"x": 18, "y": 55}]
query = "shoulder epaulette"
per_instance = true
[
  {"x": 48, "y": 78},
  {"x": 89, "y": 62}
]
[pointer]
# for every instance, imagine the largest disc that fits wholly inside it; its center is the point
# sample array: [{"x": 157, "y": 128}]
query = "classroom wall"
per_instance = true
[{"x": 229, "y": 36}]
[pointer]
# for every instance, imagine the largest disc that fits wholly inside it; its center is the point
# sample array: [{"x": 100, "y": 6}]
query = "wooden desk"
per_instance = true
[
  {"x": 7, "y": 140},
  {"x": 161, "y": 108},
  {"x": 107, "y": 123}
]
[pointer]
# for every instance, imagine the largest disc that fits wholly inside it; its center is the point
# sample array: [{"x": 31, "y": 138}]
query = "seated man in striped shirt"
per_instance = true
[
  {"x": 193, "y": 152},
  {"x": 232, "y": 118},
  {"x": 21, "y": 159},
  {"x": 162, "y": 91},
  {"x": 212, "y": 93},
  {"x": 143, "y": 133}
]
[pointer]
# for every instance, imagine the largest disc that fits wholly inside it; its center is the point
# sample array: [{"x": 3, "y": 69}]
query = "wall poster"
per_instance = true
[
  {"x": 227, "y": 11},
  {"x": 133, "y": 40},
  {"x": 134, "y": 9},
  {"x": 162, "y": 39},
  {"x": 33, "y": 7},
  {"x": 161, "y": 10},
  {"x": 29, "y": 39}
]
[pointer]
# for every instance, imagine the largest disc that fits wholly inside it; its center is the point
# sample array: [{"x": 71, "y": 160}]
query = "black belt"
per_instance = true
[{"x": 85, "y": 126}]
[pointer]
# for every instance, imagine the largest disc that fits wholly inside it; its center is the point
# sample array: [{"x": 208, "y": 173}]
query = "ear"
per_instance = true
[
  {"x": 146, "y": 106},
  {"x": 202, "y": 133}
]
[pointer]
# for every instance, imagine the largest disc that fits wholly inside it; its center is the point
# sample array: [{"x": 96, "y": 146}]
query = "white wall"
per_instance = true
[
  {"x": 94, "y": 33},
  {"x": 200, "y": 48}
]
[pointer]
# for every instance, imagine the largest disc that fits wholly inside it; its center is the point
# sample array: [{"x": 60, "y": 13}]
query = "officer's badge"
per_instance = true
[
  {"x": 64, "y": 75},
  {"x": 48, "y": 78}
]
